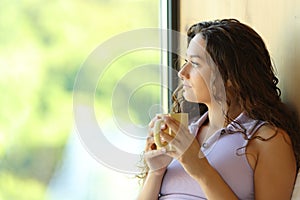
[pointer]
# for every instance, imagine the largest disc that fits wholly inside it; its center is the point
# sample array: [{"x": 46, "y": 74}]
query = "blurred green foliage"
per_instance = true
[{"x": 42, "y": 46}]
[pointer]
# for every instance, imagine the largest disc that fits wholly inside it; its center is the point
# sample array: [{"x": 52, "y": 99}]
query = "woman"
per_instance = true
[{"x": 246, "y": 146}]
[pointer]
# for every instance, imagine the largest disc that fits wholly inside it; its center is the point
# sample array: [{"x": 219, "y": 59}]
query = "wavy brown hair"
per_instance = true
[{"x": 241, "y": 56}]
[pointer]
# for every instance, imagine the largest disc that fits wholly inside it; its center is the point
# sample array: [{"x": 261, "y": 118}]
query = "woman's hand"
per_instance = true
[
  {"x": 156, "y": 159},
  {"x": 185, "y": 146}
]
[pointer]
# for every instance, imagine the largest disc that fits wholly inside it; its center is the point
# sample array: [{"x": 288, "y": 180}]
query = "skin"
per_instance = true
[{"x": 272, "y": 161}]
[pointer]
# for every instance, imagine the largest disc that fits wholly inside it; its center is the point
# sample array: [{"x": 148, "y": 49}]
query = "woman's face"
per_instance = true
[{"x": 196, "y": 72}]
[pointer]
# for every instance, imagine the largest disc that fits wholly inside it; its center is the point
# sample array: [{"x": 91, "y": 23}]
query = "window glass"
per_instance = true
[{"x": 43, "y": 47}]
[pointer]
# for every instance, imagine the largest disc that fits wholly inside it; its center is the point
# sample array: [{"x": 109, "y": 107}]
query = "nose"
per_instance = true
[{"x": 184, "y": 71}]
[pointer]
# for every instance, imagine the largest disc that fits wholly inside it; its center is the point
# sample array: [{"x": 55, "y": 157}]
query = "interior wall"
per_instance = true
[{"x": 278, "y": 22}]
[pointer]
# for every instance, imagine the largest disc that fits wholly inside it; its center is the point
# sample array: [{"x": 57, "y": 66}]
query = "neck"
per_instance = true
[{"x": 217, "y": 115}]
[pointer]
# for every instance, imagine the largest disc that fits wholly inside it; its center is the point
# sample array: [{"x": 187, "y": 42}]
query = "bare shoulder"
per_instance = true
[
  {"x": 275, "y": 164},
  {"x": 268, "y": 137},
  {"x": 270, "y": 140},
  {"x": 270, "y": 144}
]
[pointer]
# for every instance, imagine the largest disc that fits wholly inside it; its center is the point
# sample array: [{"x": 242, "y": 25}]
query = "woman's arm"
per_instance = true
[
  {"x": 157, "y": 162},
  {"x": 275, "y": 169},
  {"x": 151, "y": 187}
]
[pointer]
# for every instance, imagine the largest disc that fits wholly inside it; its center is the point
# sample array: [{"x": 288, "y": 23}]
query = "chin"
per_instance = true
[{"x": 190, "y": 98}]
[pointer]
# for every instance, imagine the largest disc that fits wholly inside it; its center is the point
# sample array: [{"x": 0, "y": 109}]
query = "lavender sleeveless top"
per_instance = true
[{"x": 225, "y": 152}]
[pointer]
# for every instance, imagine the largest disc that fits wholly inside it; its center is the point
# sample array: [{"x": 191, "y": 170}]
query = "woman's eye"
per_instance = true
[{"x": 195, "y": 64}]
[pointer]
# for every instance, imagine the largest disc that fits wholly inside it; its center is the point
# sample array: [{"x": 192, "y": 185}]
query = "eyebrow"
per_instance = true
[{"x": 197, "y": 56}]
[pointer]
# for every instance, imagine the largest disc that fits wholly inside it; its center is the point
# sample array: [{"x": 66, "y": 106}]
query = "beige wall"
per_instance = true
[{"x": 277, "y": 21}]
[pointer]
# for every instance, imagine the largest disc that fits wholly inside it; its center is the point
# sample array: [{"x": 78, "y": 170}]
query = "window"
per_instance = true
[{"x": 43, "y": 46}]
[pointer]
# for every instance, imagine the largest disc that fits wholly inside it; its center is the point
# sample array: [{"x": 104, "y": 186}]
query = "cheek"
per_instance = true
[
  {"x": 198, "y": 92},
  {"x": 202, "y": 90},
  {"x": 200, "y": 83}
]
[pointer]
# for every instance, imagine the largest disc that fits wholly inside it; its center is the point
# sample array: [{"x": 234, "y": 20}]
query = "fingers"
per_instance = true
[
  {"x": 150, "y": 145},
  {"x": 150, "y": 139},
  {"x": 157, "y": 117},
  {"x": 152, "y": 122},
  {"x": 172, "y": 123},
  {"x": 154, "y": 139},
  {"x": 154, "y": 153},
  {"x": 166, "y": 137}
]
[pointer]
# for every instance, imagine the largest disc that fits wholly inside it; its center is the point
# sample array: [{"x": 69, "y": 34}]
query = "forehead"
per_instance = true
[{"x": 197, "y": 47}]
